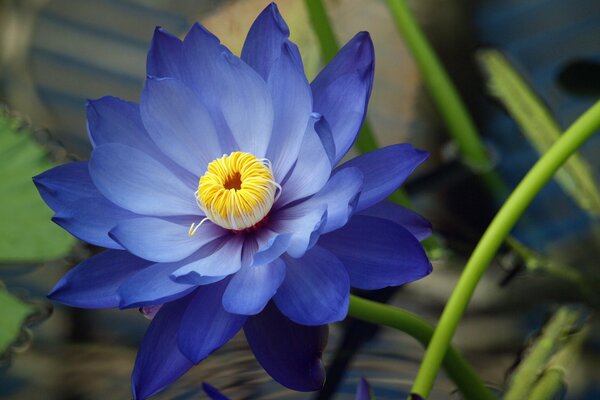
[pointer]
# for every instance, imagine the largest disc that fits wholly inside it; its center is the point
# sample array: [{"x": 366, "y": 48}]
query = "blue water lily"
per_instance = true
[{"x": 222, "y": 206}]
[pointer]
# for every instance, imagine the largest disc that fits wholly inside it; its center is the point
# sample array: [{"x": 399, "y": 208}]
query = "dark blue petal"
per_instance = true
[
  {"x": 79, "y": 206},
  {"x": 363, "y": 390},
  {"x": 112, "y": 120},
  {"x": 410, "y": 220},
  {"x": 94, "y": 282},
  {"x": 377, "y": 253},
  {"x": 264, "y": 42},
  {"x": 292, "y": 104},
  {"x": 341, "y": 91},
  {"x": 153, "y": 285},
  {"x": 165, "y": 57},
  {"x": 316, "y": 288},
  {"x": 140, "y": 183},
  {"x": 65, "y": 184},
  {"x": 179, "y": 124},
  {"x": 384, "y": 171},
  {"x": 212, "y": 392},
  {"x": 289, "y": 352},
  {"x": 311, "y": 171},
  {"x": 164, "y": 240},
  {"x": 219, "y": 258},
  {"x": 159, "y": 361},
  {"x": 206, "y": 326},
  {"x": 236, "y": 96},
  {"x": 91, "y": 220},
  {"x": 252, "y": 287}
]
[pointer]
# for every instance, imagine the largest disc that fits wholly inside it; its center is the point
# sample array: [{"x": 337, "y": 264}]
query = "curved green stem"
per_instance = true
[
  {"x": 456, "y": 366},
  {"x": 493, "y": 237},
  {"x": 445, "y": 95}
]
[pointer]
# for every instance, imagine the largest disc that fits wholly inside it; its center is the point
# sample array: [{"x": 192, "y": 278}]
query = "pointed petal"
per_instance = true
[
  {"x": 377, "y": 253},
  {"x": 139, "y": 183},
  {"x": 212, "y": 392},
  {"x": 159, "y": 361},
  {"x": 311, "y": 171},
  {"x": 206, "y": 326},
  {"x": 112, "y": 120},
  {"x": 363, "y": 390},
  {"x": 164, "y": 240},
  {"x": 384, "y": 171},
  {"x": 94, "y": 282},
  {"x": 292, "y": 102},
  {"x": 316, "y": 288},
  {"x": 219, "y": 258},
  {"x": 409, "y": 220},
  {"x": 179, "y": 124},
  {"x": 79, "y": 206},
  {"x": 153, "y": 285},
  {"x": 165, "y": 57},
  {"x": 264, "y": 42},
  {"x": 236, "y": 96},
  {"x": 304, "y": 223},
  {"x": 341, "y": 91},
  {"x": 289, "y": 352},
  {"x": 251, "y": 288}
]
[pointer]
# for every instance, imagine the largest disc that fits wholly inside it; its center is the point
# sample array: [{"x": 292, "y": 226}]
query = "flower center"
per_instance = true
[{"x": 237, "y": 191}]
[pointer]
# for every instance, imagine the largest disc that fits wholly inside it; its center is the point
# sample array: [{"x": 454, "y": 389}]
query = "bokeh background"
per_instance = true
[{"x": 55, "y": 54}]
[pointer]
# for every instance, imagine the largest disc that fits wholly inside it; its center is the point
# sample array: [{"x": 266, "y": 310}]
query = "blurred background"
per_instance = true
[{"x": 55, "y": 54}]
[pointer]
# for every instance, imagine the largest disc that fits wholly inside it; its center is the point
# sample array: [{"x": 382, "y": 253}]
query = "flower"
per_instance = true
[{"x": 222, "y": 207}]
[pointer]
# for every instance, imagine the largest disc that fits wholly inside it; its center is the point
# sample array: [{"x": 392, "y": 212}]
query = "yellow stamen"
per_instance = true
[{"x": 237, "y": 191}]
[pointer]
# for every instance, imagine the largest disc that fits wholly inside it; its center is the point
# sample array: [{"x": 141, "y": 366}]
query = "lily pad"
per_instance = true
[
  {"x": 13, "y": 315},
  {"x": 27, "y": 234}
]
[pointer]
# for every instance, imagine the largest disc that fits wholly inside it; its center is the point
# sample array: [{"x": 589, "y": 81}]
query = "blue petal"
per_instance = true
[
  {"x": 91, "y": 220},
  {"x": 234, "y": 93},
  {"x": 251, "y": 288},
  {"x": 153, "y": 285},
  {"x": 311, "y": 171},
  {"x": 304, "y": 222},
  {"x": 316, "y": 288},
  {"x": 289, "y": 352},
  {"x": 112, "y": 120},
  {"x": 270, "y": 245},
  {"x": 363, "y": 390},
  {"x": 377, "y": 253},
  {"x": 206, "y": 326},
  {"x": 139, "y": 183},
  {"x": 219, "y": 258},
  {"x": 213, "y": 393},
  {"x": 159, "y": 361},
  {"x": 264, "y": 42},
  {"x": 165, "y": 57},
  {"x": 65, "y": 184},
  {"x": 384, "y": 171},
  {"x": 341, "y": 91},
  {"x": 339, "y": 195},
  {"x": 179, "y": 124},
  {"x": 410, "y": 220},
  {"x": 162, "y": 240},
  {"x": 94, "y": 282}
]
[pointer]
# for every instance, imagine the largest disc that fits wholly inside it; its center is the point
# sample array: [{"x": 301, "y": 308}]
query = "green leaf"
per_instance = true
[
  {"x": 539, "y": 127},
  {"x": 13, "y": 315},
  {"x": 27, "y": 234}
]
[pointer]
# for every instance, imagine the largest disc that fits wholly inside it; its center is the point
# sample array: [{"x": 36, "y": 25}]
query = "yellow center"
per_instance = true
[{"x": 237, "y": 191}]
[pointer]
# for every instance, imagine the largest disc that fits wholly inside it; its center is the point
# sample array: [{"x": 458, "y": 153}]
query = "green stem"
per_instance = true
[
  {"x": 456, "y": 366},
  {"x": 442, "y": 90},
  {"x": 493, "y": 237}
]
